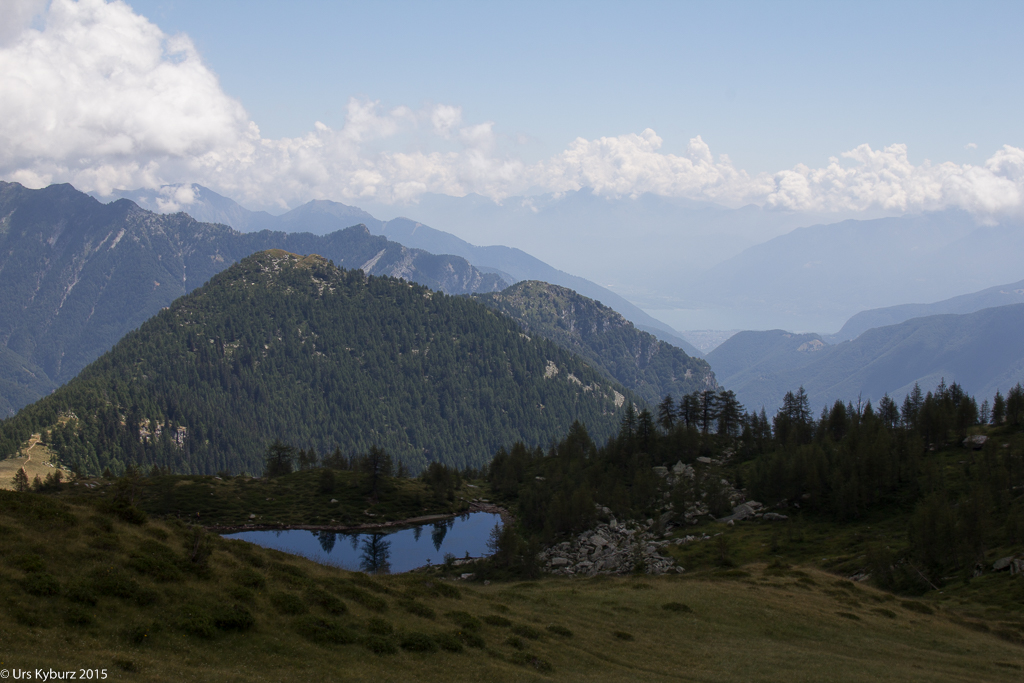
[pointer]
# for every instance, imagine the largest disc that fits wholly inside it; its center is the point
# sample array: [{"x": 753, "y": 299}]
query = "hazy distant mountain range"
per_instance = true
[
  {"x": 1000, "y": 295},
  {"x": 689, "y": 265},
  {"x": 816, "y": 278},
  {"x": 982, "y": 351},
  {"x": 322, "y": 217}
]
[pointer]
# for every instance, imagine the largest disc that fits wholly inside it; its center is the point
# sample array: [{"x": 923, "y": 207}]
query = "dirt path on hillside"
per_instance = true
[{"x": 36, "y": 463}]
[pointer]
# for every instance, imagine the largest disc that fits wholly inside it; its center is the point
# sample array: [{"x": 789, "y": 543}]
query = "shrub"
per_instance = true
[
  {"x": 527, "y": 632},
  {"x": 414, "y": 641},
  {"x": 495, "y": 620},
  {"x": 28, "y": 562},
  {"x": 516, "y": 642},
  {"x": 233, "y": 618},
  {"x": 328, "y": 602},
  {"x": 250, "y": 578},
  {"x": 887, "y": 613},
  {"x": 157, "y": 560},
  {"x": 471, "y": 638},
  {"x": 136, "y": 635},
  {"x": 195, "y": 621},
  {"x": 41, "y": 584},
  {"x": 146, "y": 596},
  {"x": 113, "y": 582},
  {"x": 82, "y": 594},
  {"x": 464, "y": 620},
  {"x": 198, "y": 548},
  {"x": 361, "y": 597},
  {"x": 241, "y": 594},
  {"x": 676, "y": 607},
  {"x": 918, "y": 607},
  {"x": 287, "y": 603},
  {"x": 526, "y": 659},
  {"x": 76, "y": 615},
  {"x": 379, "y": 627},
  {"x": 622, "y": 635},
  {"x": 419, "y": 609},
  {"x": 379, "y": 645},
  {"x": 449, "y": 642},
  {"x": 323, "y": 631},
  {"x": 560, "y": 631}
]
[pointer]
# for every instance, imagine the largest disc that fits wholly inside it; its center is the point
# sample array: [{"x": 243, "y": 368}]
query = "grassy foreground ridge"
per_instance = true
[{"x": 166, "y": 601}]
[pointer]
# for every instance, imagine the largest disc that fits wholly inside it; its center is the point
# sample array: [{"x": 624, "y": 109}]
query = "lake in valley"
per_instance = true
[{"x": 386, "y": 551}]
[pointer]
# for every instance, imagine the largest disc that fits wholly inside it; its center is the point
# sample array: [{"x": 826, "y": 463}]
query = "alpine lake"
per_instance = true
[{"x": 387, "y": 551}]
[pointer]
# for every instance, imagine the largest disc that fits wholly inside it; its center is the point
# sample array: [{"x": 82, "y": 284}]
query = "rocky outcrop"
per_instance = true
[
  {"x": 611, "y": 548},
  {"x": 1013, "y": 563}
]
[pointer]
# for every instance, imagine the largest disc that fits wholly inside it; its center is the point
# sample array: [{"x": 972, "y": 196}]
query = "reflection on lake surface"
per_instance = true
[{"x": 384, "y": 552}]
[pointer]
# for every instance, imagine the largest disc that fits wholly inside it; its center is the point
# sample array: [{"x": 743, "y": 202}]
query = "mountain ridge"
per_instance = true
[
  {"x": 977, "y": 350},
  {"x": 637, "y": 359},
  {"x": 76, "y": 274},
  {"x": 281, "y": 346}
]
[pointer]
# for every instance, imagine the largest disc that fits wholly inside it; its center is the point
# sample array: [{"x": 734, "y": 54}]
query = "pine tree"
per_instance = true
[
  {"x": 998, "y": 408},
  {"x": 20, "y": 481},
  {"x": 667, "y": 413}
]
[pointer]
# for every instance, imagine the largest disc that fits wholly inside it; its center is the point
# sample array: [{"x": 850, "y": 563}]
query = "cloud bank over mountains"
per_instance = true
[{"x": 102, "y": 98}]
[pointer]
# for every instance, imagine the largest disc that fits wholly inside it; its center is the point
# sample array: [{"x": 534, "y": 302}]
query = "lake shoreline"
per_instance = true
[{"x": 474, "y": 506}]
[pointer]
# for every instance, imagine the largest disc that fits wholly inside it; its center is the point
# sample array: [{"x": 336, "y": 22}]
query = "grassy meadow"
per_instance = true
[{"x": 163, "y": 600}]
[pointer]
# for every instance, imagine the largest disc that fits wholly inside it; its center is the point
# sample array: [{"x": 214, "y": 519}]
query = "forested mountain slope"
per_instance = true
[
  {"x": 641, "y": 362},
  {"x": 285, "y": 347},
  {"x": 981, "y": 351},
  {"x": 76, "y": 275}
]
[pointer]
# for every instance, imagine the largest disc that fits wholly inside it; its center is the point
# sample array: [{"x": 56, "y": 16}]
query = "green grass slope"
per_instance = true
[
  {"x": 637, "y": 359},
  {"x": 285, "y": 347},
  {"x": 161, "y": 601}
]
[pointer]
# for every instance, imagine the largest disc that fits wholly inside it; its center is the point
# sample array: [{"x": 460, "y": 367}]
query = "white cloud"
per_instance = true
[
  {"x": 102, "y": 98},
  {"x": 16, "y": 15}
]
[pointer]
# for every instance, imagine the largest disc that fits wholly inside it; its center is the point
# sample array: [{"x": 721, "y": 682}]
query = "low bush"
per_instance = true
[
  {"x": 527, "y": 632},
  {"x": 379, "y": 645},
  {"x": 414, "y": 641},
  {"x": 41, "y": 585},
  {"x": 250, "y": 578},
  {"x": 464, "y": 620},
  {"x": 676, "y": 607},
  {"x": 287, "y": 603},
  {"x": 560, "y": 631},
  {"x": 326, "y": 601},
  {"x": 419, "y": 609},
  {"x": 449, "y": 642},
  {"x": 526, "y": 659},
  {"x": 233, "y": 618},
  {"x": 379, "y": 627},
  {"x": 323, "y": 631}
]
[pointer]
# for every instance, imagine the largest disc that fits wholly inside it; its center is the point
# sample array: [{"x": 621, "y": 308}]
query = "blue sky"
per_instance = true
[
  {"x": 771, "y": 84},
  {"x": 803, "y": 106}
]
